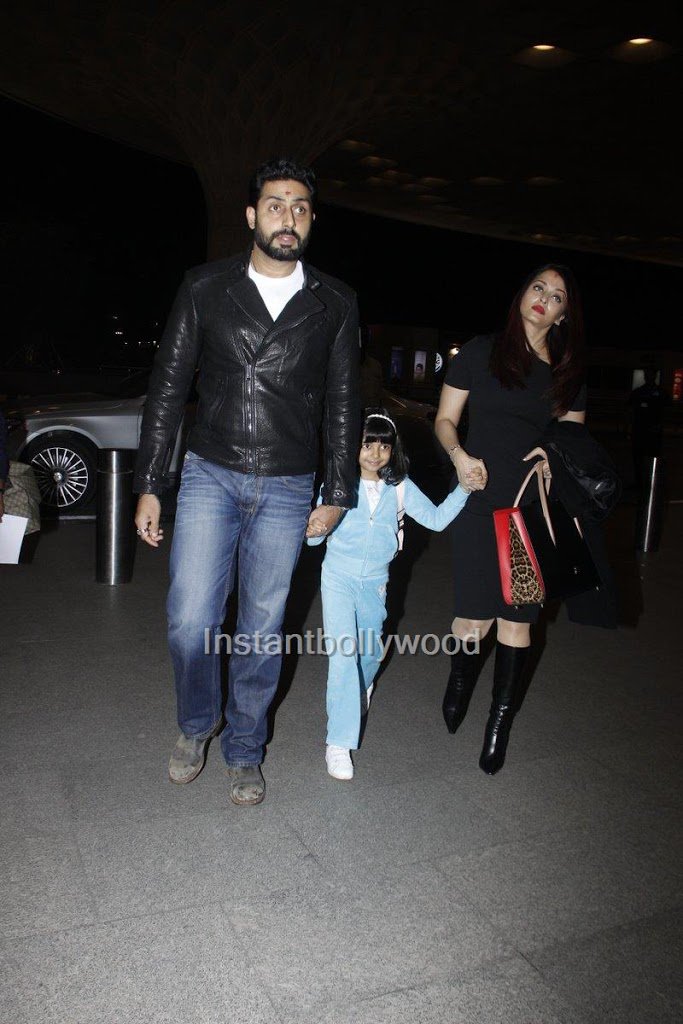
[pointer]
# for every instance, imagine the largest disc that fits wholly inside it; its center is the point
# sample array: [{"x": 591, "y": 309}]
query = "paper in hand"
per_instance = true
[{"x": 12, "y": 530}]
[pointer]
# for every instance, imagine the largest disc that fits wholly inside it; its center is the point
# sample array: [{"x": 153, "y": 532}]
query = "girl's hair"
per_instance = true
[
  {"x": 379, "y": 426},
  {"x": 511, "y": 357}
]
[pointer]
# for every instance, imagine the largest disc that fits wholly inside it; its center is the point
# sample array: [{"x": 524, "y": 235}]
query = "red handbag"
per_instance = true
[{"x": 542, "y": 553}]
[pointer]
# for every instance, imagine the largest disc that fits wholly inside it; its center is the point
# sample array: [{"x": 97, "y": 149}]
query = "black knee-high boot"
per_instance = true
[
  {"x": 507, "y": 674},
  {"x": 461, "y": 682}
]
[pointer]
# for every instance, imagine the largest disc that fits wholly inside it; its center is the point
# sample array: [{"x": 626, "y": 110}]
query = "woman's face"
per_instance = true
[{"x": 544, "y": 303}]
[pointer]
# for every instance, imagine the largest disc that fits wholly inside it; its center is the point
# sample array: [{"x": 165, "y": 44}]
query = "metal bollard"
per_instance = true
[
  {"x": 650, "y": 506},
  {"x": 115, "y": 546}
]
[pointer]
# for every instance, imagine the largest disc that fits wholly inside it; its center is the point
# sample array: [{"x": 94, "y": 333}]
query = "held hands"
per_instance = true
[
  {"x": 472, "y": 474},
  {"x": 147, "y": 517},
  {"x": 540, "y": 452},
  {"x": 322, "y": 520}
]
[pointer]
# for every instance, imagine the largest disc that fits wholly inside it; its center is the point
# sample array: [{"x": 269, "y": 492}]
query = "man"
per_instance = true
[{"x": 277, "y": 347}]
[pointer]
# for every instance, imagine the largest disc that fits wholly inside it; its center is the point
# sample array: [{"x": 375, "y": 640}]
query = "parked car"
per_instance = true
[{"x": 60, "y": 438}]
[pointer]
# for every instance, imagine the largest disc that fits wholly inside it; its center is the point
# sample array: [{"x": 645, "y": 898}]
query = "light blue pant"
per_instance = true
[{"x": 353, "y": 614}]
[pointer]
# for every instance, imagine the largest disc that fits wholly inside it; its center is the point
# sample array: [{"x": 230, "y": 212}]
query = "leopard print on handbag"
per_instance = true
[{"x": 525, "y": 587}]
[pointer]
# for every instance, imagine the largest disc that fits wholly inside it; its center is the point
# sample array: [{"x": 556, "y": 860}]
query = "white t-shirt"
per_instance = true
[
  {"x": 277, "y": 291},
  {"x": 373, "y": 491}
]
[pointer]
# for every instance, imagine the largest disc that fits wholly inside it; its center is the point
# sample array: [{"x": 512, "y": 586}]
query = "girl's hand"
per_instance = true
[
  {"x": 540, "y": 453},
  {"x": 322, "y": 520},
  {"x": 472, "y": 474}
]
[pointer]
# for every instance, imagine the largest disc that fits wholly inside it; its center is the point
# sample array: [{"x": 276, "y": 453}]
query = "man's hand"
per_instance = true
[
  {"x": 147, "y": 520},
  {"x": 323, "y": 519}
]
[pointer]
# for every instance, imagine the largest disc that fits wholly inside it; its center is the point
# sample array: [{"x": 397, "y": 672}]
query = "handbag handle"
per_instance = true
[{"x": 542, "y": 493}]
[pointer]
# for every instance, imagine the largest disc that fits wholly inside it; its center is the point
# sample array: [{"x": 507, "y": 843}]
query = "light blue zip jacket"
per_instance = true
[{"x": 363, "y": 543}]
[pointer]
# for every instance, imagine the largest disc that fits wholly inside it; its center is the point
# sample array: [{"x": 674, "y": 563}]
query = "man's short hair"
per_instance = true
[{"x": 281, "y": 168}]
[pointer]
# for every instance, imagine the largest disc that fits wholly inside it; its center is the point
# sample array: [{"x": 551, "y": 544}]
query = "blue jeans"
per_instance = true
[
  {"x": 354, "y": 610},
  {"x": 224, "y": 519}
]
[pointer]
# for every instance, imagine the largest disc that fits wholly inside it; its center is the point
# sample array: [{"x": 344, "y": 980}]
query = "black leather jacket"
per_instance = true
[
  {"x": 263, "y": 386},
  {"x": 587, "y": 484}
]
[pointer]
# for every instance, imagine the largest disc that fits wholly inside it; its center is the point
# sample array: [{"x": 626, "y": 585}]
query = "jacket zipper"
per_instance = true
[
  {"x": 249, "y": 405},
  {"x": 369, "y": 538},
  {"x": 368, "y": 542},
  {"x": 249, "y": 378}
]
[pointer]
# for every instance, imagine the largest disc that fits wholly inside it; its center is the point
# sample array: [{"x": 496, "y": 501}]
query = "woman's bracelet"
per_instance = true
[{"x": 453, "y": 448}]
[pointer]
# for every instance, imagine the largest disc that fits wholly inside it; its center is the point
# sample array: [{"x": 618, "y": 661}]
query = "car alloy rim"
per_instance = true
[{"x": 62, "y": 476}]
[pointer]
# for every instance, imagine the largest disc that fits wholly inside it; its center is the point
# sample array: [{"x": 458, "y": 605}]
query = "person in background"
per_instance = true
[
  {"x": 648, "y": 405},
  {"x": 371, "y": 381}
]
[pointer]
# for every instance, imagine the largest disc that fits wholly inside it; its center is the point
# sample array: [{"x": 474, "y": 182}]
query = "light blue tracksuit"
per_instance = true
[{"x": 353, "y": 585}]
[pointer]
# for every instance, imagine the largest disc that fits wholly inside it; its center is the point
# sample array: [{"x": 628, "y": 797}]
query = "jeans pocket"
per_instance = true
[
  {"x": 301, "y": 484},
  {"x": 193, "y": 457}
]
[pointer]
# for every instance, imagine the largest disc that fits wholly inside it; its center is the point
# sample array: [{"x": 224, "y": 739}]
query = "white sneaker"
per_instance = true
[{"x": 339, "y": 763}]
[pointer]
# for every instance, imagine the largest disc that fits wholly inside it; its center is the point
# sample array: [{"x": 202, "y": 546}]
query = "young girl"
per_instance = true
[{"x": 354, "y": 578}]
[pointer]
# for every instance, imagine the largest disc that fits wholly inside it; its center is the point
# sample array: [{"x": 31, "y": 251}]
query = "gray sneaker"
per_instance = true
[
  {"x": 247, "y": 785},
  {"x": 188, "y": 758}
]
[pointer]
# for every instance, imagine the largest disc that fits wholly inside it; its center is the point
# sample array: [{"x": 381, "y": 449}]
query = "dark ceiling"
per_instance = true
[{"x": 442, "y": 114}]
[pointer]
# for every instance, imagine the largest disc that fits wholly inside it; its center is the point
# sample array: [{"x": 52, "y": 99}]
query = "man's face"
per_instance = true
[{"x": 282, "y": 219}]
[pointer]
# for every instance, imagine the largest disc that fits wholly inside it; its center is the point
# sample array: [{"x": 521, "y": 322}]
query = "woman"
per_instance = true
[{"x": 514, "y": 385}]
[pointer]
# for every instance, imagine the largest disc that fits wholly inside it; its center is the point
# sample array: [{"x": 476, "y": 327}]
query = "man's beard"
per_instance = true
[{"x": 267, "y": 246}]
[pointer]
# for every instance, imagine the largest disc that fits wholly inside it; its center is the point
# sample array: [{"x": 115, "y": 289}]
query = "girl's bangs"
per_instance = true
[{"x": 377, "y": 429}]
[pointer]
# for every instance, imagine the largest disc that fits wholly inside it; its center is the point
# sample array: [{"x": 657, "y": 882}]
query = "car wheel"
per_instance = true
[{"x": 65, "y": 466}]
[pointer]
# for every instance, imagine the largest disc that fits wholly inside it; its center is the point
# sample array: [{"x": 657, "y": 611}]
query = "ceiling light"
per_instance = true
[
  {"x": 414, "y": 187},
  {"x": 378, "y": 182},
  {"x": 355, "y": 146},
  {"x": 377, "y": 161},
  {"x": 544, "y": 57},
  {"x": 542, "y": 180},
  {"x": 397, "y": 177},
  {"x": 641, "y": 50},
  {"x": 434, "y": 182}
]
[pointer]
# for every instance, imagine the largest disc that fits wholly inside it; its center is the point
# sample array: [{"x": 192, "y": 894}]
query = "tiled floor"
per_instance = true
[{"x": 422, "y": 892}]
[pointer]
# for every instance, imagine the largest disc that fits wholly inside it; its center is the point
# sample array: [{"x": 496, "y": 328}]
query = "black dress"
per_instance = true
[{"x": 504, "y": 425}]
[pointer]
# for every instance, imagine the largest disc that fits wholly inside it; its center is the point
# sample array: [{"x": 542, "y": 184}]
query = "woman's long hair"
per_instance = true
[
  {"x": 511, "y": 356},
  {"x": 379, "y": 426}
]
